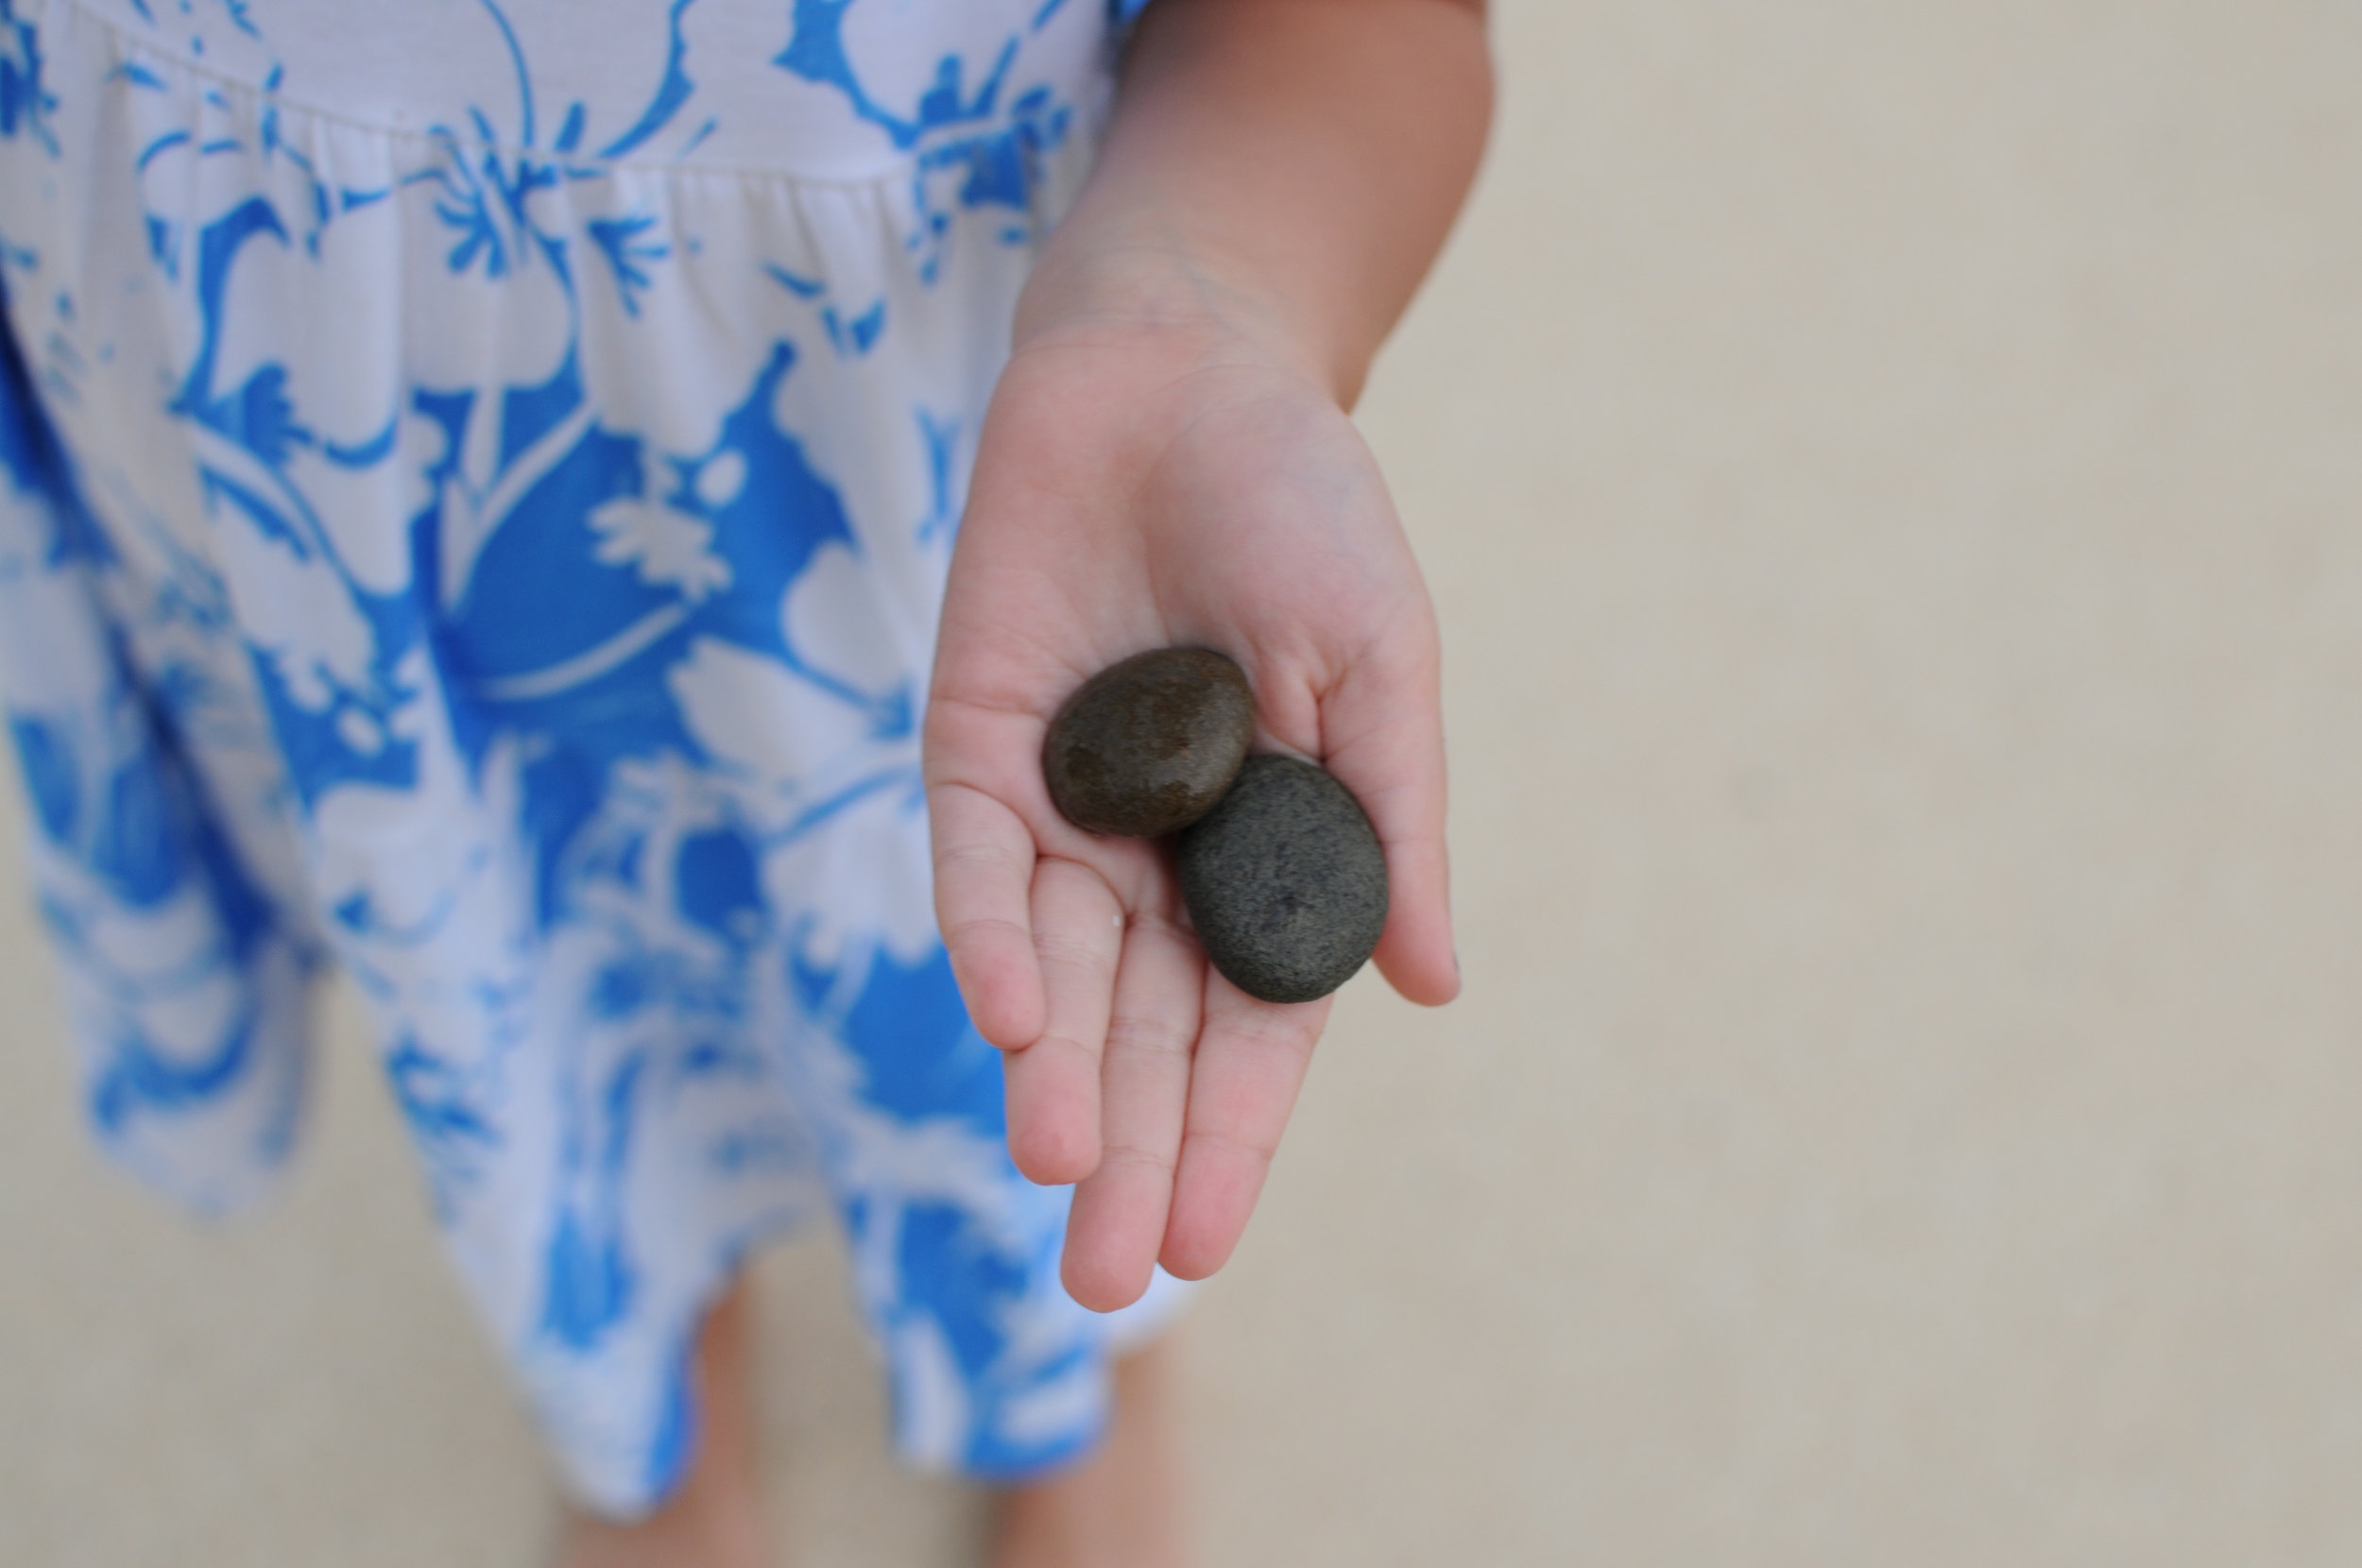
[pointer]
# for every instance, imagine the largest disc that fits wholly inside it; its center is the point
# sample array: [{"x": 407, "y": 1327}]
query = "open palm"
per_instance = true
[{"x": 1136, "y": 490}]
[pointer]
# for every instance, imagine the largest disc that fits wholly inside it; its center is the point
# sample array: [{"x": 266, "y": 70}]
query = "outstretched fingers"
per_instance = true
[
  {"x": 1118, "y": 1224},
  {"x": 1052, "y": 1084},
  {"x": 1251, "y": 1061}
]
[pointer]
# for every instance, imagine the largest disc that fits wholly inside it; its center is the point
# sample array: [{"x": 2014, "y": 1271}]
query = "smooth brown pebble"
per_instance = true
[{"x": 1148, "y": 746}]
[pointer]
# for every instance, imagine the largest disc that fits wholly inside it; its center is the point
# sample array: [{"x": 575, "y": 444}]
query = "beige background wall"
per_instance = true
[{"x": 1892, "y": 479}]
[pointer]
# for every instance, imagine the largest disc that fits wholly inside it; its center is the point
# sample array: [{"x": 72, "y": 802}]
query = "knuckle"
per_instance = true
[
  {"x": 960, "y": 933},
  {"x": 1226, "y": 1145},
  {"x": 1062, "y": 1043},
  {"x": 1155, "y": 925},
  {"x": 1066, "y": 950},
  {"x": 1264, "y": 1029},
  {"x": 980, "y": 855},
  {"x": 1138, "y": 1156},
  {"x": 1150, "y": 1034}
]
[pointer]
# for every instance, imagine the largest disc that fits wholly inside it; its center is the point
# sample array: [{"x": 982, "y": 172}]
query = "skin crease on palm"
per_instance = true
[{"x": 1167, "y": 460}]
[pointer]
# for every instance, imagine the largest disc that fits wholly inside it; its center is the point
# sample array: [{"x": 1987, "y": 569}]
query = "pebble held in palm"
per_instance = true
[
  {"x": 1285, "y": 881},
  {"x": 1147, "y": 746}
]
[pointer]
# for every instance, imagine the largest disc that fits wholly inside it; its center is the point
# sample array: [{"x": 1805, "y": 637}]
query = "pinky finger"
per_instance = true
[{"x": 984, "y": 864}]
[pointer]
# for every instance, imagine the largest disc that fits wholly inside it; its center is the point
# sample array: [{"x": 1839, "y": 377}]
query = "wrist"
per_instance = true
[{"x": 1188, "y": 302}]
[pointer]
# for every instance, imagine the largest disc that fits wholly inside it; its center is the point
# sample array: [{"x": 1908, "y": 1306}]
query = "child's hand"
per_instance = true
[
  {"x": 1165, "y": 461},
  {"x": 1140, "y": 484}
]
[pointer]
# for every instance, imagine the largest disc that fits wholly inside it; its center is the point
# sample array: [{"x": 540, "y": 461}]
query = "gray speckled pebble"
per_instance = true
[
  {"x": 1147, "y": 746},
  {"x": 1285, "y": 881}
]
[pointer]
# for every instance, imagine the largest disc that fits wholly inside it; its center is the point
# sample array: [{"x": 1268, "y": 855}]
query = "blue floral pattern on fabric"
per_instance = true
[{"x": 491, "y": 540}]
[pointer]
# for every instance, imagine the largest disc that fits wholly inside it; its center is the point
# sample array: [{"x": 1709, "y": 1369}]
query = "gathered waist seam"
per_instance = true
[{"x": 898, "y": 167}]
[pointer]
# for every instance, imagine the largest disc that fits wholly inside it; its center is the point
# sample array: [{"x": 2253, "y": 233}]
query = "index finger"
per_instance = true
[{"x": 1385, "y": 724}]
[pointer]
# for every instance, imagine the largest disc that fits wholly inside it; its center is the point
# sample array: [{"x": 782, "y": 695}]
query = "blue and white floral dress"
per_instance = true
[{"x": 478, "y": 481}]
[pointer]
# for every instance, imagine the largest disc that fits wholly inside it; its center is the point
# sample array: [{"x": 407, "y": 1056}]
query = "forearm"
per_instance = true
[{"x": 1285, "y": 168}]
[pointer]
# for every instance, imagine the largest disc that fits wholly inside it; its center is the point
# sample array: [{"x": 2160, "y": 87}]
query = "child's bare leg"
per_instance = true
[
  {"x": 715, "y": 1519},
  {"x": 1121, "y": 1507}
]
